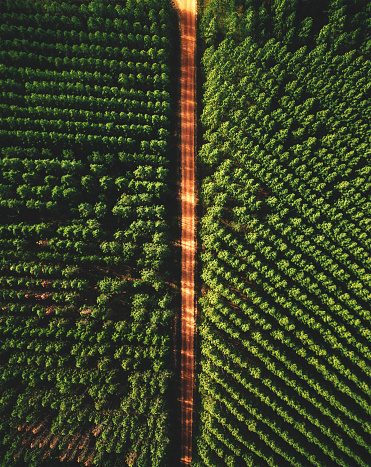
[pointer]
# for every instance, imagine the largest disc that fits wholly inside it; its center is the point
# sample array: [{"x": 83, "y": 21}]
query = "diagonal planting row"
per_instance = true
[{"x": 286, "y": 341}]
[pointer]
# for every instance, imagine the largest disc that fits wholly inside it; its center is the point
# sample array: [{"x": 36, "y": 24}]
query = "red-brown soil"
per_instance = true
[{"x": 187, "y": 15}]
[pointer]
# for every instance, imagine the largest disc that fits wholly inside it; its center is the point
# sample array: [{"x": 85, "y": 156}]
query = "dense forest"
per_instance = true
[
  {"x": 285, "y": 329},
  {"x": 87, "y": 179},
  {"x": 86, "y": 316}
]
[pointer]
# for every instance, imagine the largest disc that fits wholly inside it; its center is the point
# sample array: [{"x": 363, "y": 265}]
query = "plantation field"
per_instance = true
[
  {"x": 88, "y": 304},
  {"x": 285, "y": 317},
  {"x": 86, "y": 310}
]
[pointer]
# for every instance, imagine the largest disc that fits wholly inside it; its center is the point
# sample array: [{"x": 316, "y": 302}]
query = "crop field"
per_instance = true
[
  {"x": 86, "y": 315},
  {"x": 285, "y": 308}
]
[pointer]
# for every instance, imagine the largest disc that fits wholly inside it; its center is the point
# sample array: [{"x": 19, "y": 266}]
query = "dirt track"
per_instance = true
[{"x": 187, "y": 10}]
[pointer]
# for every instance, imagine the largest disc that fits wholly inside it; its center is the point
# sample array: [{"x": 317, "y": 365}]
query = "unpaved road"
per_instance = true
[{"x": 187, "y": 14}]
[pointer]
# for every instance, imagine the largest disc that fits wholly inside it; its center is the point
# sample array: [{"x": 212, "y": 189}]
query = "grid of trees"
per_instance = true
[
  {"x": 285, "y": 331},
  {"x": 85, "y": 320}
]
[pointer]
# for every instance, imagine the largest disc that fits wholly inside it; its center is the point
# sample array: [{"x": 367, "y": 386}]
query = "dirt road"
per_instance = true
[{"x": 187, "y": 10}]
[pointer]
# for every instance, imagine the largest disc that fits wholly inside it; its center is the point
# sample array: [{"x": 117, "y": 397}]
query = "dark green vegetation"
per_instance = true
[
  {"x": 285, "y": 314},
  {"x": 86, "y": 313}
]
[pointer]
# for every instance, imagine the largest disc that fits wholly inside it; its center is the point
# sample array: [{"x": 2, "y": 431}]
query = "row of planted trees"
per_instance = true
[
  {"x": 86, "y": 315},
  {"x": 285, "y": 333},
  {"x": 55, "y": 89}
]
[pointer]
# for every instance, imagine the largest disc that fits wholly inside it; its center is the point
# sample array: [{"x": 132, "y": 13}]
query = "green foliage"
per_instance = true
[
  {"x": 344, "y": 24},
  {"x": 285, "y": 321},
  {"x": 85, "y": 312}
]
